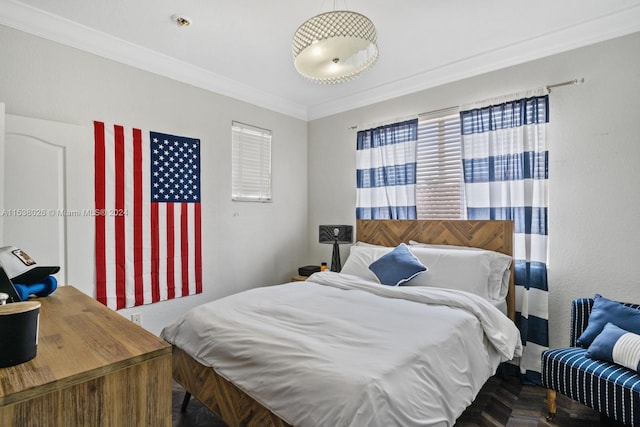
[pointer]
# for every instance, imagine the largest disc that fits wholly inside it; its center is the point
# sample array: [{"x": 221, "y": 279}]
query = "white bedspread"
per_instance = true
[{"x": 340, "y": 351}]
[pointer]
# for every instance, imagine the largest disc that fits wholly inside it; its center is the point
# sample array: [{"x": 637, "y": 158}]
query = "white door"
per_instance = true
[{"x": 48, "y": 192}]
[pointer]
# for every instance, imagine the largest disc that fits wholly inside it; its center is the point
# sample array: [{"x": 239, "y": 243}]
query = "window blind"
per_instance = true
[
  {"x": 251, "y": 163},
  {"x": 439, "y": 179}
]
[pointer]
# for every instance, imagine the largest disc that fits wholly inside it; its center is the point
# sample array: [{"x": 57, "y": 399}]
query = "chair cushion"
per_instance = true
[{"x": 606, "y": 387}]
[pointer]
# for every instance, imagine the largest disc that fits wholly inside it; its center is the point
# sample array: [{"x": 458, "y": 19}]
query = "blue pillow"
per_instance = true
[
  {"x": 397, "y": 266},
  {"x": 604, "y": 311},
  {"x": 616, "y": 345}
]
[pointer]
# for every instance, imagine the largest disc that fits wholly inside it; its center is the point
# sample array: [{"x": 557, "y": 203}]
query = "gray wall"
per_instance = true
[
  {"x": 244, "y": 244},
  {"x": 594, "y": 228}
]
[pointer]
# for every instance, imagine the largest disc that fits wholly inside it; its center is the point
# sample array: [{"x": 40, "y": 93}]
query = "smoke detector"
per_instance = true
[{"x": 181, "y": 20}]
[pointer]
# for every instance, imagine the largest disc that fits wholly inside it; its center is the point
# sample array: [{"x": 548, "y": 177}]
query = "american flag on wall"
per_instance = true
[{"x": 147, "y": 216}]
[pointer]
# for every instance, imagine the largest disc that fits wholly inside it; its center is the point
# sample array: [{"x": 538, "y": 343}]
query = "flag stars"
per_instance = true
[{"x": 174, "y": 168}]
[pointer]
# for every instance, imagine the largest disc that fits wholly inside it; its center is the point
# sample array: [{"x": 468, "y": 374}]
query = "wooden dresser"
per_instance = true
[{"x": 93, "y": 367}]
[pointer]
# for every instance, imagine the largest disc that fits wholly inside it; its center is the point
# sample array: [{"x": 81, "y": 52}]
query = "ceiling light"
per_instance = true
[{"x": 334, "y": 47}]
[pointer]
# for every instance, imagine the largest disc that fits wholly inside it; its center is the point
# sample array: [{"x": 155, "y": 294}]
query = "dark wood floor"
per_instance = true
[{"x": 501, "y": 402}]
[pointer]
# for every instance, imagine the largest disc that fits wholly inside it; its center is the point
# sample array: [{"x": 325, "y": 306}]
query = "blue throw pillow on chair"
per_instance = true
[
  {"x": 397, "y": 266},
  {"x": 605, "y": 311},
  {"x": 616, "y": 345}
]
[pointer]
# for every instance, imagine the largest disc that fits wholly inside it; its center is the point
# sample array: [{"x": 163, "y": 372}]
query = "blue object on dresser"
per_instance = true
[
  {"x": 609, "y": 388},
  {"x": 41, "y": 289}
]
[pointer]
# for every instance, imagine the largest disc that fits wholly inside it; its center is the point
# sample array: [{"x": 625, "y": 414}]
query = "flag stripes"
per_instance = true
[{"x": 146, "y": 250}]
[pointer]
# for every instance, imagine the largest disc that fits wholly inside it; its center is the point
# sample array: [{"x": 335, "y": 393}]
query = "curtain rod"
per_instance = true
[
  {"x": 567, "y": 83},
  {"x": 548, "y": 87},
  {"x": 372, "y": 125}
]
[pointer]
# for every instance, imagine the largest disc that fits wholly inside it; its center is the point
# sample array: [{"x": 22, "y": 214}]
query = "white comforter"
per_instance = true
[{"x": 340, "y": 351}]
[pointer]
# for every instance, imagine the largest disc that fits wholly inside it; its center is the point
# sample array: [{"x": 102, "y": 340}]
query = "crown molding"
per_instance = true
[{"x": 52, "y": 27}]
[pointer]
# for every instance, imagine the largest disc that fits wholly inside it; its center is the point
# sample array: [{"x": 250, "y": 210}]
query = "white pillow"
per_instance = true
[
  {"x": 498, "y": 280},
  {"x": 500, "y": 263},
  {"x": 361, "y": 257},
  {"x": 461, "y": 270}
]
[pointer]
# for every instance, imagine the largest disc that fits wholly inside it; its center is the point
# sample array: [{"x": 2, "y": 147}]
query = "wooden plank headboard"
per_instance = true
[{"x": 492, "y": 235}]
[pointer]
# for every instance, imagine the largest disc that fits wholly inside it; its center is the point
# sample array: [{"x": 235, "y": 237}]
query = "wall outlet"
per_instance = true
[{"x": 136, "y": 318}]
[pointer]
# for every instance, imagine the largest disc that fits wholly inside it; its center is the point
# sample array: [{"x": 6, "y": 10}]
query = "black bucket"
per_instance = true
[{"x": 18, "y": 332}]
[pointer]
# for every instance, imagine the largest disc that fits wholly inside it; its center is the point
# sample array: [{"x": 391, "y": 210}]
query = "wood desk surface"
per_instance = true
[{"x": 79, "y": 339}]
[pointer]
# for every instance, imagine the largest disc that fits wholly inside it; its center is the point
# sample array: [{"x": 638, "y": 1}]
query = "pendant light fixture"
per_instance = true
[{"x": 334, "y": 47}]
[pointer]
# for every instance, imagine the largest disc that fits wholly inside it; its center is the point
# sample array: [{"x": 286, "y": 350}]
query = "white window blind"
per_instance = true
[
  {"x": 439, "y": 179},
  {"x": 251, "y": 163}
]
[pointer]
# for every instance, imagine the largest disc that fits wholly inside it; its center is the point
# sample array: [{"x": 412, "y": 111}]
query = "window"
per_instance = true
[
  {"x": 250, "y": 163},
  {"x": 439, "y": 178}
]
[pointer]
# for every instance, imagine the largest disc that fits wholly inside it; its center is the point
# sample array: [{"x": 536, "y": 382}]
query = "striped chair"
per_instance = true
[{"x": 610, "y": 389}]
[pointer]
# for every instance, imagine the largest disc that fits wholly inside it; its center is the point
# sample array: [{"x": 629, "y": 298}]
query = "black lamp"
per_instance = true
[{"x": 336, "y": 235}]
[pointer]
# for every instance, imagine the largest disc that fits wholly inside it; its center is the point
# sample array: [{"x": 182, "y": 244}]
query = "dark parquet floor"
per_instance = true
[{"x": 501, "y": 402}]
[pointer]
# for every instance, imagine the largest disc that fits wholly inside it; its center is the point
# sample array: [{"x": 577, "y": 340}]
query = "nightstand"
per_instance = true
[{"x": 299, "y": 278}]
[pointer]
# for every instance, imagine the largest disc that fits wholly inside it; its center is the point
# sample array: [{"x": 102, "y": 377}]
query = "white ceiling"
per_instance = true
[{"x": 242, "y": 48}]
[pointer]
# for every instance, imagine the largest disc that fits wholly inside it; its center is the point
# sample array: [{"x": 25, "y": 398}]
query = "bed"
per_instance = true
[{"x": 368, "y": 353}]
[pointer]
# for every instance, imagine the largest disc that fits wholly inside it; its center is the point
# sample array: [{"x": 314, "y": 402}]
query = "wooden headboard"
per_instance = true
[{"x": 492, "y": 235}]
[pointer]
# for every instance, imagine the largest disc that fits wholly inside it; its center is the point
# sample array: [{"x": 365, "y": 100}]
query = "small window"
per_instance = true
[
  {"x": 439, "y": 178},
  {"x": 251, "y": 163}
]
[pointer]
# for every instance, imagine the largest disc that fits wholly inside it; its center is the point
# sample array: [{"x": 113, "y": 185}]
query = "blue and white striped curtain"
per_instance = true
[
  {"x": 386, "y": 171},
  {"x": 506, "y": 169}
]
